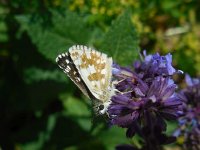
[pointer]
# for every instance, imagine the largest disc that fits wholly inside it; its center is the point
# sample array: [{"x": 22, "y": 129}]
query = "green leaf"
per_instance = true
[
  {"x": 113, "y": 137},
  {"x": 37, "y": 74},
  {"x": 74, "y": 106},
  {"x": 63, "y": 32},
  {"x": 78, "y": 110},
  {"x": 3, "y": 31},
  {"x": 121, "y": 41},
  {"x": 43, "y": 135},
  {"x": 171, "y": 127}
]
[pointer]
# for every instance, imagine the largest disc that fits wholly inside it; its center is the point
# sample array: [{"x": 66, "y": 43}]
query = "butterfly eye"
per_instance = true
[{"x": 100, "y": 107}]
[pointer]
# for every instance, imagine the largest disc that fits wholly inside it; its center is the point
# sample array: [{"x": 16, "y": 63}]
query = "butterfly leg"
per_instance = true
[{"x": 115, "y": 82}]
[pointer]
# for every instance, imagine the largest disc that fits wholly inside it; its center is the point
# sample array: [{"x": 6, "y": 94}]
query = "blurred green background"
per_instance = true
[{"x": 40, "y": 108}]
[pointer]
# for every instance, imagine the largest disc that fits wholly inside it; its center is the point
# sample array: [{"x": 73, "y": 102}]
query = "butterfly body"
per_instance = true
[{"x": 91, "y": 71}]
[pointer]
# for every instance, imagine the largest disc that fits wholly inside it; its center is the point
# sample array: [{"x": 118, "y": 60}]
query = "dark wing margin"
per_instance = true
[{"x": 65, "y": 62}]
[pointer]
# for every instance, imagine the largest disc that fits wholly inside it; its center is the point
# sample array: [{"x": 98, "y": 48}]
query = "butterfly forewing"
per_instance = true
[
  {"x": 66, "y": 64},
  {"x": 95, "y": 70}
]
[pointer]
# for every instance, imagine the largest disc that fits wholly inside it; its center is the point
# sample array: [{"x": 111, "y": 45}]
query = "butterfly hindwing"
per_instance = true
[{"x": 66, "y": 64}]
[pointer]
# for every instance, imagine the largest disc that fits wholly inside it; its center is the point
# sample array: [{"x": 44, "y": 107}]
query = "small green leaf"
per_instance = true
[
  {"x": 121, "y": 41},
  {"x": 43, "y": 134},
  {"x": 64, "y": 31},
  {"x": 78, "y": 110},
  {"x": 113, "y": 137},
  {"x": 74, "y": 106},
  {"x": 37, "y": 74}
]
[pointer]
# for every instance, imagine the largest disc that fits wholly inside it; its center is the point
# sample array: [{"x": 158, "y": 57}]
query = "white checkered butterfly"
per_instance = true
[{"x": 91, "y": 71}]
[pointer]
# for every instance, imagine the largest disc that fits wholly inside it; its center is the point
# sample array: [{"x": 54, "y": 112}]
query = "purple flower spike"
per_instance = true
[
  {"x": 189, "y": 124},
  {"x": 154, "y": 65},
  {"x": 158, "y": 101},
  {"x": 145, "y": 99}
]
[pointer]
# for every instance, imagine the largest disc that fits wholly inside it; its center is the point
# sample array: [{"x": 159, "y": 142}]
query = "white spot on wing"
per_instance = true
[
  {"x": 76, "y": 62},
  {"x": 103, "y": 81},
  {"x": 93, "y": 83},
  {"x": 103, "y": 71},
  {"x": 57, "y": 59},
  {"x": 92, "y": 69},
  {"x": 85, "y": 47},
  {"x": 78, "y": 79},
  {"x": 88, "y": 55},
  {"x": 68, "y": 68},
  {"x": 98, "y": 54},
  {"x": 67, "y": 61}
]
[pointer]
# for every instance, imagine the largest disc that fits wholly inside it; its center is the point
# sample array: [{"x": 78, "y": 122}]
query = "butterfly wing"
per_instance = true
[
  {"x": 65, "y": 62},
  {"x": 95, "y": 70}
]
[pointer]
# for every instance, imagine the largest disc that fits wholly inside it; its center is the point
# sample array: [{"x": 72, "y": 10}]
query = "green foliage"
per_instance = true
[
  {"x": 121, "y": 41},
  {"x": 37, "y": 74},
  {"x": 3, "y": 27},
  {"x": 65, "y": 30},
  {"x": 111, "y": 138}
]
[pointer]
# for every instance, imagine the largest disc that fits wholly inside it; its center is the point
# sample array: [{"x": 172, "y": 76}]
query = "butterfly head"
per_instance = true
[
  {"x": 104, "y": 107},
  {"x": 101, "y": 108}
]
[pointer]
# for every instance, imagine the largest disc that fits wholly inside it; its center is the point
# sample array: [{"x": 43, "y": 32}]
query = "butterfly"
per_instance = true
[{"x": 91, "y": 71}]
